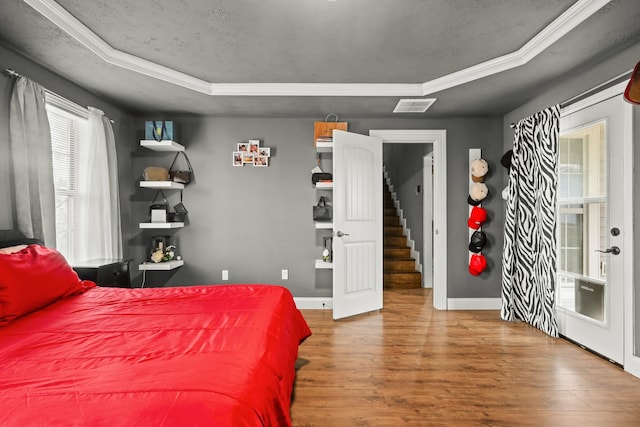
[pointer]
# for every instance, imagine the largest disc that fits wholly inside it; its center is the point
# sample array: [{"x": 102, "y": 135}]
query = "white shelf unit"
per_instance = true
[
  {"x": 161, "y": 146},
  {"x": 164, "y": 145},
  {"x": 320, "y": 225},
  {"x": 324, "y": 147},
  {"x": 163, "y": 185},
  {"x": 161, "y": 225},
  {"x": 324, "y": 185},
  {"x": 323, "y": 265},
  {"x": 161, "y": 266}
]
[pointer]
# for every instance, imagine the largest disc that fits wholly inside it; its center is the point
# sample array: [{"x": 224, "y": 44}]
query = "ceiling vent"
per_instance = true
[{"x": 416, "y": 105}]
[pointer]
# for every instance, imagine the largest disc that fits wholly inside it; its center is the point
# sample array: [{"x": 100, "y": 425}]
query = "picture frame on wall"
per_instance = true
[
  {"x": 243, "y": 146},
  {"x": 254, "y": 145},
  {"x": 264, "y": 151},
  {"x": 237, "y": 158},
  {"x": 261, "y": 161},
  {"x": 247, "y": 158}
]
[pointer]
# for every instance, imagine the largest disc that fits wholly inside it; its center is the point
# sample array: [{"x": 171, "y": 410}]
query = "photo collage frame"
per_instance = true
[{"x": 252, "y": 154}]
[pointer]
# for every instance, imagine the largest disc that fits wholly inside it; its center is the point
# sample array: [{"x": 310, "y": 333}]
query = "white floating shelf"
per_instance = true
[
  {"x": 324, "y": 225},
  {"x": 323, "y": 265},
  {"x": 164, "y": 145},
  {"x": 324, "y": 185},
  {"x": 162, "y": 185},
  {"x": 324, "y": 147},
  {"x": 161, "y": 224},
  {"x": 162, "y": 266}
]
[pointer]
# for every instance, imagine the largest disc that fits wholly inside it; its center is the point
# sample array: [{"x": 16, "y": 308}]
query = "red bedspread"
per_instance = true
[{"x": 205, "y": 355}]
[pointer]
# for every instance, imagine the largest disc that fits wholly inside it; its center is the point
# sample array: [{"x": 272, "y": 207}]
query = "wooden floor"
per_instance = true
[{"x": 411, "y": 365}]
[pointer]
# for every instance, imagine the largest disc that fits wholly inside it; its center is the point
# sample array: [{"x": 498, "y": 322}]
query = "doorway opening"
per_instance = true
[{"x": 435, "y": 140}]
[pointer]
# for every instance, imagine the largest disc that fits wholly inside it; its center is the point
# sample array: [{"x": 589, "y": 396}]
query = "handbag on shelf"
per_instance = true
[
  {"x": 180, "y": 213},
  {"x": 323, "y": 131},
  {"x": 155, "y": 173},
  {"x": 321, "y": 176},
  {"x": 322, "y": 212},
  {"x": 158, "y": 211},
  {"x": 159, "y": 130},
  {"x": 181, "y": 176}
]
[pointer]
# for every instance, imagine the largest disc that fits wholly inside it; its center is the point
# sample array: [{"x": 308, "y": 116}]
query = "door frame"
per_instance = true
[
  {"x": 427, "y": 220},
  {"x": 631, "y": 361},
  {"x": 437, "y": 137}
]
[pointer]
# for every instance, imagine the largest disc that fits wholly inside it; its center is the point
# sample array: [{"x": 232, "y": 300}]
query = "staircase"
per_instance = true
[{"x": 399, "y": 268}]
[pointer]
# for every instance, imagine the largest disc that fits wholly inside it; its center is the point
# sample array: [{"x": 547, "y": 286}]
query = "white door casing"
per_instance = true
[
  {"x": 604, "y": 336},
  {"x": 358, "y": 219},
  {"x": 427, "y": 223},
  {"x": 437, "y": 137}
]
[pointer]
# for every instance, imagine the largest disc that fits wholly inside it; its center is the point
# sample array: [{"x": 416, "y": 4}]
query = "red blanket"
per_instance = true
[{"x": 205, "y": 355}]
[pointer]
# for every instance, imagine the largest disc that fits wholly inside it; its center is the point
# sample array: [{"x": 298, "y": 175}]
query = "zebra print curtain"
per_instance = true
[{"x": 529, "y": 259}]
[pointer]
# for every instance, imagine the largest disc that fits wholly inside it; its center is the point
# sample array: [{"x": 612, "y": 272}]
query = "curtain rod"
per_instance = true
[
  {"x": 9, "y": 72},
  {"x": 611, "y": 82}
]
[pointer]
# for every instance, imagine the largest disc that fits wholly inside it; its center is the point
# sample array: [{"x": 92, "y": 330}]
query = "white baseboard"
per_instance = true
[
  {"x": 313, "y": 303},
  {"x": 474, "y": 303}
]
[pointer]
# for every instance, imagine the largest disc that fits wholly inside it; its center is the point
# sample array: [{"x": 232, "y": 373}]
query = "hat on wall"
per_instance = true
[
  {"x": 506, "y": 159},
  {"x": 477, "y": 264},
  {"x": 477, "y": 217},
  {"x": 473, "y": 202},
  {"x": 478, "y": 241},
  {"x": 632, "y": 92},
  {"x": 479, "y": 169},
  {"x": 478, "y": 191}
]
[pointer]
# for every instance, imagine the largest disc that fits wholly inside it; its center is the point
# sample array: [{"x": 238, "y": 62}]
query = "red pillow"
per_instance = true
[{"x": 33, "y": 278}]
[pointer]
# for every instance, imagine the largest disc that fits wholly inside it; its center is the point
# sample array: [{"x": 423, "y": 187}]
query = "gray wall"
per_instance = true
[
  {"x": 404, "y": 164},
  {"x": 66, "y": 89},
  {"x": 593, "y": 76},
  {"x": 255, "y": 222}
]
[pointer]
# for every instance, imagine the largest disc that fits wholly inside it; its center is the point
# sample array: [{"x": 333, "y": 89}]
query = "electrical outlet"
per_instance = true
[
  {"x": 225, "y": 274},
  {"x": 285, "y": 274}
]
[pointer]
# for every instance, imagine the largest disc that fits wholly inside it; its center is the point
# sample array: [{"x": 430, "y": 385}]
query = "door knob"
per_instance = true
[
  {"x": 614, "y": 250},
  {"x": 340, "y": 234}
]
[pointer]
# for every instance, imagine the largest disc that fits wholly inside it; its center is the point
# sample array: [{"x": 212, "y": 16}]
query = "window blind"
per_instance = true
[{"x": 69, "y": 133}]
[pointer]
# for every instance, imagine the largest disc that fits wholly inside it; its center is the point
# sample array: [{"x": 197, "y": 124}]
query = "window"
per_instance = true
[
  {"x": 69, "y": 133},
  {"x": 582, "y": 199}
]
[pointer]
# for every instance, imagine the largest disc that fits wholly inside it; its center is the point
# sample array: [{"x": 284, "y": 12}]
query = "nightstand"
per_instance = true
[{"x": 105, "y": 272}]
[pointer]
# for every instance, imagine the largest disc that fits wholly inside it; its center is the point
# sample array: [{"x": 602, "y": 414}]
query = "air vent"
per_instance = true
[{"x": 417, "y": 105}]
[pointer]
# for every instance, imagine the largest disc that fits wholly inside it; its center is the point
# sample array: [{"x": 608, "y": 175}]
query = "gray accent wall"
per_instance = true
[
  {"x": 72, "y": 92},
  {"x": 255, "y": 222},
  {"x": 594, "y": 75}
]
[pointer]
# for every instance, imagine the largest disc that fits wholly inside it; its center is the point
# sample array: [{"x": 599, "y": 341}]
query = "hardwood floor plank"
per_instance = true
[{"x": 412, "y": 365}]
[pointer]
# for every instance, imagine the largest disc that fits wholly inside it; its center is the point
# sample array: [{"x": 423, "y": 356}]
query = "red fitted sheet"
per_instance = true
[{"x": 204, "y": 355}]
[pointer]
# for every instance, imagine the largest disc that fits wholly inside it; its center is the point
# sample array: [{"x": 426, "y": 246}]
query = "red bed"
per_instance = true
[{"x": 203, "y": 355}]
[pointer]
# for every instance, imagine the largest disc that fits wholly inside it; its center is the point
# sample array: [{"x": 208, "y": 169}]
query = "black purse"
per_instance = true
[
  {"x": 181, "y": 176},
  {"x": 158, "y": 212},
  {"x": 322, "y": 212},
  {"x": 320, "y": 176}
]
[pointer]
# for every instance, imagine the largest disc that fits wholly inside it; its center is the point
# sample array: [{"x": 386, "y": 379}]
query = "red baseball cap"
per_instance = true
[
  {"x": 477, "y": 217},
  {"x": 477, "y": 264}
]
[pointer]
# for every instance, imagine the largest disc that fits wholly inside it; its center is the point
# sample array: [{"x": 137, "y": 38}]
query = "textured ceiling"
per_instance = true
[{"x": 317, "y": 41}]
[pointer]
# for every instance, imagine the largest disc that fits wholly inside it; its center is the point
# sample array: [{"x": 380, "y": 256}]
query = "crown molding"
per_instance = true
[
  {"x": 570, "y": 19},
  {"x": 566, "y": 22}
]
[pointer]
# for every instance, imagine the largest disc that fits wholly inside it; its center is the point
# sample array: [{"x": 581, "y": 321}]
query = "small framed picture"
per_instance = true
[
  {"x": 254, "y": 144},
  {"x": 264, "y": 151},
  {"x": 243, "y": 146},
  {"x": 237, "y": 158},
  {"x": 261, "y": 161},
  {"x": 247, "y": 158}
]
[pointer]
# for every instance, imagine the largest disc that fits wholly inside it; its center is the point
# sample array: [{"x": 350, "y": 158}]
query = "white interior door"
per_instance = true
[
  {"x": 590, "y": 287},
  {"x": 357, "y": 221}
]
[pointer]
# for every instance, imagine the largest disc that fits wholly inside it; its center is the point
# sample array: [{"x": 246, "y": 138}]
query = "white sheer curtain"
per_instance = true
[
  {"x": 31, "y": 162},
  {"x": 99, "y": 235}
]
